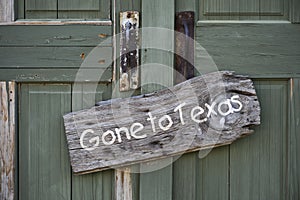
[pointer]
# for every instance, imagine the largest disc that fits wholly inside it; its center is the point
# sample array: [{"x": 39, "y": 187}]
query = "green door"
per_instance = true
[{"x": 44, "y": 61}]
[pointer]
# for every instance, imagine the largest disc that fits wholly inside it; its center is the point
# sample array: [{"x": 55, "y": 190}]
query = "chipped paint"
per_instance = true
[
  {"x": 129, "y": 51},
  {"x": 7, "y": 140}
]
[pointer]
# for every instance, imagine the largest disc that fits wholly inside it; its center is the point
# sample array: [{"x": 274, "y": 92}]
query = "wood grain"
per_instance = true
[
  {"x": 243, "y": 10},
  {"x": 258, "y": 163},
  {"x": 294, "y": 11},
  {"x": 7, "y": 13},
  {"x": 95, "y": 186},
  {"x": 178, "y": 139},
  {"x": 54, "y": 35},
  {"x": 294, "y": 140},
  {"x": 157, "y": 13},
  {"x": 252, "y": 49},
  {"x": 44, "y": 169},
  {"x": 7, "y": 140}
]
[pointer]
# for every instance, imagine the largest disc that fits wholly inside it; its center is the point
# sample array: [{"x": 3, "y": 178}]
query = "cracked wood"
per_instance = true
[
  {"x": 7, "y": 140},
  {"x": 166, "y": 141}
]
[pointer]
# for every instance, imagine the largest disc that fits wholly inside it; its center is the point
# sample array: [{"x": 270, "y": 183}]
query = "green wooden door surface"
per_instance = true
[
  {"x": 44, "y": 167},
  {"x": 255, "y": 167},
  {"x": 44, "y": 60}
]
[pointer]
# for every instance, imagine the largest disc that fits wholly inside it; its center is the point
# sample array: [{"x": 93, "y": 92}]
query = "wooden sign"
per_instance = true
[{"x": 203, "y": 112}]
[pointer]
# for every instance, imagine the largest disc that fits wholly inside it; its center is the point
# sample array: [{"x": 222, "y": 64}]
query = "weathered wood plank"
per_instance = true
[
  {"x": 123, "y": 184},
  {"x": 7, "y": 140},
  {"x": 55, "y": 35},
  {"x": 7, "y": 11},
  {"x": 50, "y": 75},
  {"x": 251, "y": 49},
  {"x": 294, "y": 140},
  {"x": 258, "y": 163},
  {"x": 160, "y": 143}
]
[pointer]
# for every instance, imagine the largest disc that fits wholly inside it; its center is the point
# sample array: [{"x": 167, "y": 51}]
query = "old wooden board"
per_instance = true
[
  {"x": 204, "y": 112},
  {"x": 7, "y": 140}
]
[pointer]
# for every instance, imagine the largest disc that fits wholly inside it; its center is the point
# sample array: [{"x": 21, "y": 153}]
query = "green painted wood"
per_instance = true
[
  {"x": 61, "y": 75},
  {"x": 184, "y": 167},
  {"x": 122, "y": 6},
  {"x": 212, "y": 174},
  {"x": 184, "y": 177},
  {"x": 294, "y": 11},
  {"x": 42, "y": 9},
  {"x": 20, "y": 11},
  {"x": 251, "y": 49},
  {"x": 154, "y": 61},
  {"x": 258, "y": 162},
  {"x": 157, "y": 13},
  {"x": 294, "y": 140},
  {"x": 188, "y": 5},
  {"x": 69, "y": 5},
  {"x": 157, "y": 184},
  {"x": 58, "y": 36},
  {"x": 62, "y": 57},
  {"x": 42, "y": 56},
  {"x": 243, "y": 10},
  {"x": 44, "y": 168},
  {"x": 248, "y": 7},
  {"x": 274, "y": 10},
  {"x": 89, "y": 9},
  {"x": 97, "y": 185}
]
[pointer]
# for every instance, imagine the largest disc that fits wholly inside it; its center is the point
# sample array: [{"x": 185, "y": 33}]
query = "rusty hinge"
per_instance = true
[
  {"x": 129, "y": 51},
  {"x": 184, "y": 46}
]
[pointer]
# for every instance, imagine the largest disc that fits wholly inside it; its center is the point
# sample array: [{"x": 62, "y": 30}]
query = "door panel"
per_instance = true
[
  {"x": 49, "y": 9},
  {"x": 243, "y": 10},
  {"x": 88, "y": 9},
  {"x": 44, "y": 166},
  {"x": 44, "y": 169},
  {"x": 40, "y": 9},
  {"x": 213, "y": 176},
  {"x": 258, "y": 162}
]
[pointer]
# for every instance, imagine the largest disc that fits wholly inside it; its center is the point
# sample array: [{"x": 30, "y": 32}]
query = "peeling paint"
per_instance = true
[{"x": 129, "y": 51}]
